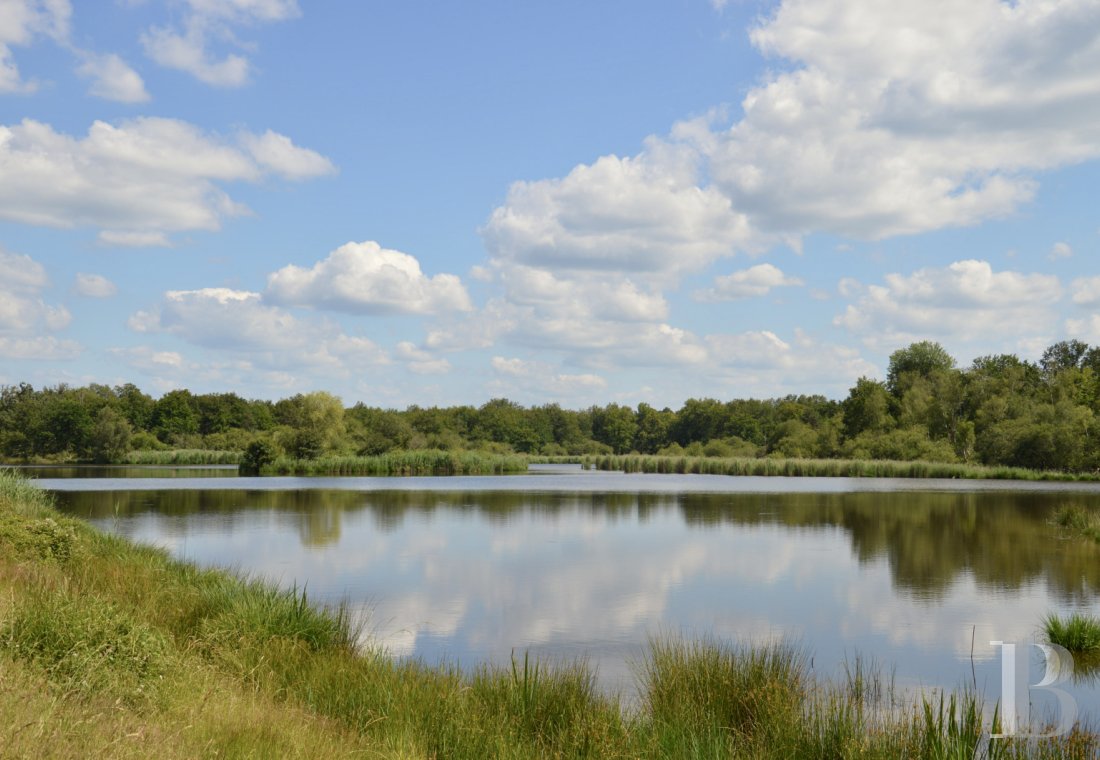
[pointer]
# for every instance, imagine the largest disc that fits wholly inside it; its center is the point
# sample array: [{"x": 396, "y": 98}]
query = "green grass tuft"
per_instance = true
[
  {"x": 1078, "y": 521},
  {"x": 1076, "y": 632},
  {"x": 86, "y": 645}
]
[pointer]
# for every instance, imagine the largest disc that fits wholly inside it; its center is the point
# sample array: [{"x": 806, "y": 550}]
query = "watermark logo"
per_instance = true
[{"x": 1016, "y": 688}]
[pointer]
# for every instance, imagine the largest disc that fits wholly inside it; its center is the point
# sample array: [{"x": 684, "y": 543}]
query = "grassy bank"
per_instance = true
[
  {"x": 111, "y": 649},
  {"x": 430, "y": 462},
  {"x": 822, "y": 468}
]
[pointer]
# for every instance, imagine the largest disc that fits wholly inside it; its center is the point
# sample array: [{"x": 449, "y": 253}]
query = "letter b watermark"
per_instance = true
[{"x": 1016, "y": 687}]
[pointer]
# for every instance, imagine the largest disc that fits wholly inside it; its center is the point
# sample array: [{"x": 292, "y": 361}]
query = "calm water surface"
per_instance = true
[{"x": 915, "y": 575}]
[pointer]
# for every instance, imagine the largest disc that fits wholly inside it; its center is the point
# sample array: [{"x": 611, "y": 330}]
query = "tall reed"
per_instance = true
[
  {"x": 182, "y": 457},
  {"x": 416, "y": 462},
  {"x": 847, "y": 468}
]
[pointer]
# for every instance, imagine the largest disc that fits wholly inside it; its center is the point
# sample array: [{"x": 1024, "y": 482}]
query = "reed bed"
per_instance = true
[
  {"x": 821, "y": 468},
  {"x": 419, "y": 462},
  {"x": 113, "y": 649},
  {"x": 182, "y": 457}
]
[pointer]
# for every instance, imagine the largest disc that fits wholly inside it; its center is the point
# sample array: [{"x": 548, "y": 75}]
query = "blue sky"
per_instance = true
[{"x": 416, "y": 203}]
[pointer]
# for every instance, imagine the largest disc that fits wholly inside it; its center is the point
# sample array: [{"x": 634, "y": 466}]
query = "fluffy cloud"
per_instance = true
[
  {"x": 540, "y": 379},
  {"x": 278, "y": 154},
  {"x": 189, "y": 49},
  {"x": 365, "y": 278},
  {"x": 966, "y": 300},
  {"x": 767, "y": 365},
  {"x": 880, "y": 119},
  {"x": 421, "y": 362},
  {"x": 136, "y": 180},
  {"x": 25, "y": 319},
  {"x": 113, "y": 79},
  {"x": 21, "y": 21},
  {"x": 593, "y": 343},
  {"x": 1087, "y": 329},
  {"x": 894, "y": 121},
  {"x": 747, "y": 283},
  {"x": 556, "y": 295},
  {"x": 238, "y": 321},
  {"x": 645, "y": 215},
  {"x": 1086, "y": 291},
  {"x": 149, "y": 359},
  {"x": 94, "y": 286}
]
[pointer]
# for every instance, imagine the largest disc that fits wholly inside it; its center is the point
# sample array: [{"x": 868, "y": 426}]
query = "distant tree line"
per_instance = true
[{"x": 999, "y": 410}]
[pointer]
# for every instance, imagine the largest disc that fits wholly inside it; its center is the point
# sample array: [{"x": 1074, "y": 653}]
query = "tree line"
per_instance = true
[{"x": 999, "y": 410}]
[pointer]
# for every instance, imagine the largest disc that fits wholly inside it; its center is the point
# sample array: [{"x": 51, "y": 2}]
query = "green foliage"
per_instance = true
[
  {"x": 110, "y": 436},
  {"x": 259, "y": 454},
  {"x": 87, "y": 645},
  {"x": 918, "y": 360},
  {"x": 615, "y": 427},
  {"x": 174, "y": 415},
  {"x": 867, "y": 408},
  {"x": 1000, "y": 411},
  {"x": 1076, "y": 632}
]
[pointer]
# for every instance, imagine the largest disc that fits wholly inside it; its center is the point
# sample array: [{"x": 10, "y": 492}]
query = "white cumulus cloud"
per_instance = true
[
  {"x": 238, "y": 322},
  {"x": 191, "y": 48},
  {"x": 278, "y": 154},
  {"x": 94, "y": 286},
  {"x": 21, "y": 22},
  {"x": 763, "y": 364},
  {"x": 26, "y": 320},
  {"x": 1086, "y": 291},
  {"x": 541, "y": 380},
  {"x": 644, "y": 215},
  {"x": 365, "y": 278},
  {"x": 135, "y": 180},
  {"x": 753, "y": 282},
  {"x": 419, "y": 361},
  {"x": 113, "y": 78},
  {"x": 965, "y": 300}
]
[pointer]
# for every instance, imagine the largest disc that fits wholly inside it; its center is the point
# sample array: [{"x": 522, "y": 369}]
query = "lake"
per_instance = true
[{"x": 916, "y": 575}]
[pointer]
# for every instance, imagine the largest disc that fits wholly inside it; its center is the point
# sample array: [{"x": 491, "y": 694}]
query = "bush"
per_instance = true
[{"x": 258, "y": 454}]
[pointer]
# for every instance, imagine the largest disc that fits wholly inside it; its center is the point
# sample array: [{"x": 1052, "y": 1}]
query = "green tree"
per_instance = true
[
  {"x": 921, "y": 359},
  {"x": 652, "y": 428},
  {"x": 867, "y": 408},
  {"x": 614, "y": 426},
  {"x": 110, "y": 435},
  {"x": 1066, "y": 354},
  {"x": 174, "y": 415}
]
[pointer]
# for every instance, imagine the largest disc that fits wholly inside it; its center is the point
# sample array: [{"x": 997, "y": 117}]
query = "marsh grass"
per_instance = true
[
  {"x": 413, "y": 462},
  {"x": 1078, "y": 521},
  {"x": 828, "y": 468},
  {"x": 182, "y": 457},
  {"x": 1076, "y": 632},
  {"x": 117, "y": 650}
]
